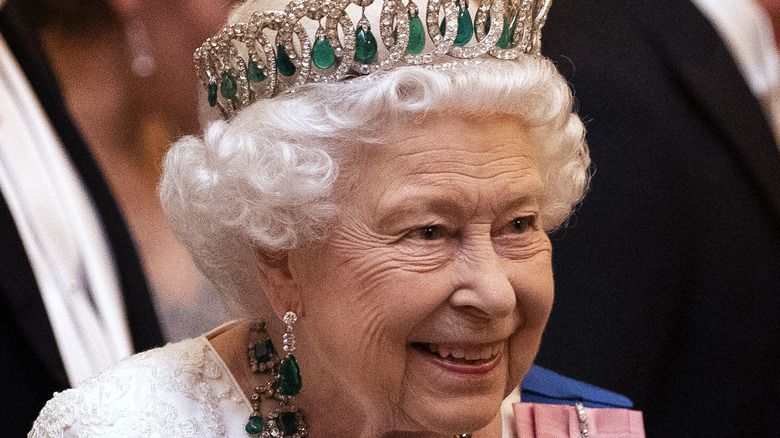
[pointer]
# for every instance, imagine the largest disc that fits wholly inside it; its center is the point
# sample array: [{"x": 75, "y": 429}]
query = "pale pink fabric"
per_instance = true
[{"x": 535, "y": 420}]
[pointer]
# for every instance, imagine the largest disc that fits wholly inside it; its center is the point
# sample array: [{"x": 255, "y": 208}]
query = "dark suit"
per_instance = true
[
  {"x": 668, "y": 277},
  {"x": 30, "y": 366}
]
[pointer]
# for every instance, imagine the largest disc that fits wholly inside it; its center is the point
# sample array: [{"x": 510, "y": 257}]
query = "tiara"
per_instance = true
[{"x": 272, "y": 51}]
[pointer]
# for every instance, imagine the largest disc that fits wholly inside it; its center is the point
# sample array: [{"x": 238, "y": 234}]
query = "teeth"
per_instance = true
[
  {"x": 482, "y": 353},
  {"x": 485, "y": 352}
]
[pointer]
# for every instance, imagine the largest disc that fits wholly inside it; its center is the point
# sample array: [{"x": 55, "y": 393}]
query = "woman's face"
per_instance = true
[{"x": 425, "y": 305}]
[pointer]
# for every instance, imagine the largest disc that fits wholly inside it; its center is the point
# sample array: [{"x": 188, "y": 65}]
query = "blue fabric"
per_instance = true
[{"x": 541, "y": 385}]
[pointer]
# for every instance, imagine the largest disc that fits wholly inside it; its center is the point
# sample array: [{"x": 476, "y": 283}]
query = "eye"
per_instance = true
[
  {"x": 520, "y": 238},
  {"x": 519, "y": 225},
  {"x": 428, "y": 232}
]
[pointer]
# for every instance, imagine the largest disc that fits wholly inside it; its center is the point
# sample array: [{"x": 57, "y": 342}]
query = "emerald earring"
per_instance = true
[
  {"x": 289, "y": 374},
  {"x": 286, "y": 419}
]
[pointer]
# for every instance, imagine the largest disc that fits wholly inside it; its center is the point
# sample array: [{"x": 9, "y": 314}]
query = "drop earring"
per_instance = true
[
  {"x": 139, "y": 44},
  {"x": 290, "y": 382},
  {"x": 286, "y": 420}
]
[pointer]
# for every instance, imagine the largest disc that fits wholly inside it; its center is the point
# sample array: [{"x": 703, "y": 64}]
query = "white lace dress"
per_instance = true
[{"x": 180, "y": 390}]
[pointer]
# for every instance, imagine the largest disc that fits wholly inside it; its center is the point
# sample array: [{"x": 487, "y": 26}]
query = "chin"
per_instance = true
[{"x": 453, "y": 416}]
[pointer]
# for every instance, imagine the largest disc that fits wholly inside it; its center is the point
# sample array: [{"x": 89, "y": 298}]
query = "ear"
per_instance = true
[{"x": 281, "y": 289}]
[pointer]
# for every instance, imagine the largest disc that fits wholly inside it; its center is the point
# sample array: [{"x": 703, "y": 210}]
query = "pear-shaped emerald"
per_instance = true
[
  {"x": 416, "y": 36},
  {"x": 228, "y": 86},
  {"x": 212, "y": 93},
  {"x": 254, "y": 73},
  {"x": 289, "y": 377},
  {"x": 322, "y": 53},
  {"x": 254, "y": 426},
  {"x": 503, "y": 41},
  {"x": 283, "y": 62},
  {"x": 465, "y": 26},
  {"x": 365, "y": 45},
  {"x": 507, "y": 33}
]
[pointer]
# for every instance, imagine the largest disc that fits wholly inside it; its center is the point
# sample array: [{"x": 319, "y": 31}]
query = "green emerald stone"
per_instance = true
[
  {"x": 505, "y": 39},
  {"x": 212, "y": 93},
  {"x": 365, "y": 45},
  {"x": 288, "y": 423},
  {"x": 228, "y": 86},
  {"x": 416, "y": 36},
  {"x": 264, "y": 351},
  {"x": 465, "y": 27},
  {"x": 289, "y": 377},
  {"x": 284, "y": 64},
  {"x": 254, "y": 426},
  {"x": 322, "y": 53},
  {"x": 254, "y": 73}
]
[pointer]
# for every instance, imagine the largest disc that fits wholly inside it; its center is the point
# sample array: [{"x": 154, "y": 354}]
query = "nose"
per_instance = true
[{"x": 483, "y": 288}]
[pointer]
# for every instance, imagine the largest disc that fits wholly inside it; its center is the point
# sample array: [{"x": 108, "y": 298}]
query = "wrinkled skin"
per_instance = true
[{"x": 438, "y": 241}]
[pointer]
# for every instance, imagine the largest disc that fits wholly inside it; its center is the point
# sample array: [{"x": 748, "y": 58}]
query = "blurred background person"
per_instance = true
[
  {"x": 117, "y": 63},
  {"x": 124, "y": 66},
  {"x": 73, "y": 295},
  {"x": 671, "y": 269}
]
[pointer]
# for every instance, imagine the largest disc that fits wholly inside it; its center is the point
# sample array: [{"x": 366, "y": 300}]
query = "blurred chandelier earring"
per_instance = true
[
  {"x": 139, "y": 44},
  {"x": 284, "y": 382}
]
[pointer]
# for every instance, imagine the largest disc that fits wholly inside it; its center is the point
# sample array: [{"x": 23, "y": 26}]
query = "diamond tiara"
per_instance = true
[{"x": 273, "y": 52}]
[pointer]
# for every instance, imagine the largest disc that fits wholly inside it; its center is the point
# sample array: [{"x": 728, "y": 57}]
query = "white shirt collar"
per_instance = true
[
  {"x": 747, "y": 31},
  {"x": 61, "y": 231}
]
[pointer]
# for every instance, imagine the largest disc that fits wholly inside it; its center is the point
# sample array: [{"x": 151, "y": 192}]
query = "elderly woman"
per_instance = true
[{"x": 380, "y": 212}]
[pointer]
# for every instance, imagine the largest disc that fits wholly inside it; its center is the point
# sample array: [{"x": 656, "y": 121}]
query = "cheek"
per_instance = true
[
  {"x": 537, "y": 296},
  {"x": 369, "y": 278},
  {"x": 532, "y": 280},
  {"x": 362, "y": 305},
  {"x": 534, "y": 288}
]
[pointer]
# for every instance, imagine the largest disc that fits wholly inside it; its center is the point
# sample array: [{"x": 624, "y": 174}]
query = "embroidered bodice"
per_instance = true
[{"x": 182, "y": 390}]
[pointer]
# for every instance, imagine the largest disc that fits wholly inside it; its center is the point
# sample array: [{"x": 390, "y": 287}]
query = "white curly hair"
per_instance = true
[{"x": 266, "y": 180}]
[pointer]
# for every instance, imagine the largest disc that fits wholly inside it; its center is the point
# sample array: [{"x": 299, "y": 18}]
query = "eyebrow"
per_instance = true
[
  {"x": 450, "y": 204},
  {"x": 419, "y": 205},
  {"x": 529, "y": 196}
]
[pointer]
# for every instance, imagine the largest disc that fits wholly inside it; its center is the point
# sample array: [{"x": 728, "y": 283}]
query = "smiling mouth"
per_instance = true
[{"x": 476, "y": 355}]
